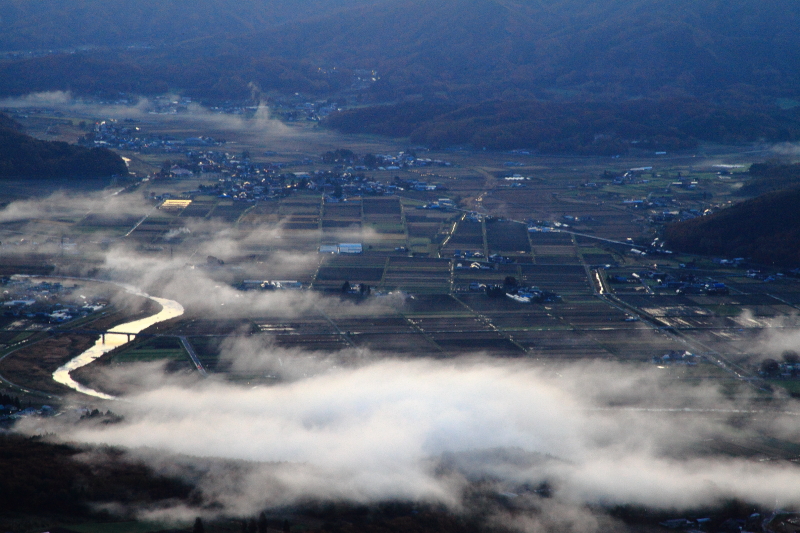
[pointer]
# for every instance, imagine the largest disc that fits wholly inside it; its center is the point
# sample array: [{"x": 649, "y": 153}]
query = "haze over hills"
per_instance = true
[
  {"x": 45, "y": 24},
  {"x": 468, "y": 49},
  {"x": 502, "y": 48},
  {"x": 721, "y": 71}
]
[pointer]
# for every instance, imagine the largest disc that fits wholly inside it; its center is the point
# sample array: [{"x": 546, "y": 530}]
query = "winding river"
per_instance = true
[{"x": 115, "y": 337}]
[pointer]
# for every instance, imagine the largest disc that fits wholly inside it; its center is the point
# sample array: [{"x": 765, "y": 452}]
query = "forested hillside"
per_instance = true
[
  {"x": 24, "y": 156},
  {"x": 771, "y": 176},
  {"x": 469, "y": 50},
  {"x": 601, "y": 128},
  {"x": 516, "y": 73},
  {"x": 44, "y": 24},
  {"x": 765, "y": 229}
]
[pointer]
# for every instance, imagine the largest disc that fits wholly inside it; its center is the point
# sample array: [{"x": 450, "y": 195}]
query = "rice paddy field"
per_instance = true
[{"x": 437, "y": 259}]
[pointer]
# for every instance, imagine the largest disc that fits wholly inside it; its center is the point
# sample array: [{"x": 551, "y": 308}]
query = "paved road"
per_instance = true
[{"x": 190, "y": 350}]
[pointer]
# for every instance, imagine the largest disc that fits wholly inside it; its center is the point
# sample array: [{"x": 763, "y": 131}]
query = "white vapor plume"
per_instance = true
[
  {"x": 260, "y": 124},
  {"x": 71, "y": 205},
  {"x": 422, "y": 429}
]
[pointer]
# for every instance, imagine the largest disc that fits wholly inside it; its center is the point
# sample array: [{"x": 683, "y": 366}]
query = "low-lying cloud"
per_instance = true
[
  {"x": 260, "y": 124},
  {"x": 422, "y": 429}
]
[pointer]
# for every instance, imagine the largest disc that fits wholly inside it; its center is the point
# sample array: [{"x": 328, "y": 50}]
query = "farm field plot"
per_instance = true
[
  {"x": 350, "y": 209},
  {"x": 261, "y": 213},
  {"x": 507, "y": 237},
  {"x": 417, "y": 274},
  {"x": 218, "y": 327},
  {"x": 435, "y": 304},
  {"x": 374, "y": 325},
  {"x": 110, "y": 221},
  {"x": 334, "y": 270},
  {"x": 476, "y": 342},
  {"x": 208, "y": 350},
  {"x": 352, "y": 274},
  {"x": 468, "y": 235},
  {"x": 464, "y": 277},
  {"x": 341, "y": 223},
  {"x": 523, "y": 319},
  {"x": 707, "y": 322},
  {"x": 154, "y": 351},
  {"x": 568, "y": 260},
  {"x": 282, "y": 326},
  {"x": 341, "y": 215},
  {"x": 594, "y": 314},
  {"x": 537, "y": 201},
  {"x": 788, "y": 289},
  {"x": 229, "y": 212},
  {"x": 553, "y": 238},
  {"x": 423, "y": 230},
  {"x": 558, "y": 250},
  {"x": 562, "y": 279},
  {"x": 198, "y": 209},
  {"x": 599, "y": 258},
  {"x": 382, "y": 207},
  {"x": 561, "y": 345},
  {"x": 636, "y": 345},
  {"x": 734, "y": 299},
  {"x": 411, "y": 343},
  {"x": 312, "y": 343},
  {"x": 451, "y": 324}
]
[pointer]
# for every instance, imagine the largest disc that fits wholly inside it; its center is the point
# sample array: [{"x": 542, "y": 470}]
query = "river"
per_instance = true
[{"x": 169, "y": 309}]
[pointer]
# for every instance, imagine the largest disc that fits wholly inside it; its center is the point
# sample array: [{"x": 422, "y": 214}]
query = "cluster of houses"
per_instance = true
[
  {"x": 525, "y": 295},
  {"x": 293, "y": 111},
  {"x": 442, "y": 204},
  {"x": 347, "y": 248},
  {"x": 347, "y": 160},
  {"x": 44, "y": 302},
  {"x": 474, "y": 265},
  {"x": 512, "y": 289},
  {"x": 684, "y": 283},
  {"x": 247, "y": 181},
  {"x": 11, "y": 413},
  {"x": 675, "y": 357},
  {"x": 467, "y": 254},
  {"x": 270, "y": 285},
  {"x": 125, "y": 135}
]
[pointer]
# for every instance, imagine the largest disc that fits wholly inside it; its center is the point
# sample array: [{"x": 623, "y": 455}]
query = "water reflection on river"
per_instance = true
[{"x": 169, "y": 309}]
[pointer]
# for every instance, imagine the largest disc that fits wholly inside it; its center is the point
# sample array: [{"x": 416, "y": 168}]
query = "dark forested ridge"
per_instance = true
[
  {"x": 771, "y": 176},
  {"x": 23, "y": 156},
  {"x": 55, "y": 24},
  {"x": 471, "y": 50},
  {"x": 487, "y": 72},
  {"x": 765, "y": 229},
  {"x": 45, "y": 478},
  {"x": 601, "y": 128}
]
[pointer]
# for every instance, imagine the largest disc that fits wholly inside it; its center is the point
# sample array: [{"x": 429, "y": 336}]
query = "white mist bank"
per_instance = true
[{"x": 383, "y": 431}]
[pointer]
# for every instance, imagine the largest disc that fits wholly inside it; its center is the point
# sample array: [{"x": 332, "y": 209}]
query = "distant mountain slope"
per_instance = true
[
  {"x": 39, "y": 24},
  {"x": 765, "y": 229},
  {"x": 22, "y": 156},
  {"x": 610, "y": 48},
  {"x": 469, "y": 50},
  {"x": 508, "y": 73},
  {"x": 601, "y": 128},
  {"x": 771, "y": 176}
]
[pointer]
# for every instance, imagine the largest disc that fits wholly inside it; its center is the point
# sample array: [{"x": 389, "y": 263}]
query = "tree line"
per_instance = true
[
  {"x": 22, "y": 156},
  {"x": 765, "y": 230},
  {"x": 596, "y": 128}
]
